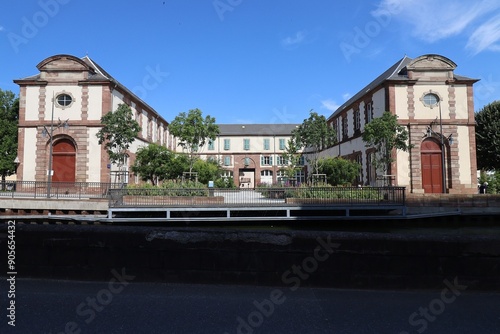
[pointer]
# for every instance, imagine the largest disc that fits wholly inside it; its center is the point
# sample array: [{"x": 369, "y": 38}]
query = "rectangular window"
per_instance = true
[
  {"x": 357, "y": 120},
  {"x": 267, "y": 145},
  {"x": 246, "y": 144},
  {"x": 302, "y": 161},
  {"x": 211, "y": 145},
  {"x": 369, "y": 112},
  {"x": 227, "y": 161},
  {"x": 344, "y": 128},
  {"x": 282, "y": 144},
  {"x": 281, "y": 161},
  {"x": 266, "y": 160},
  {"x": 227, "y": 144}
]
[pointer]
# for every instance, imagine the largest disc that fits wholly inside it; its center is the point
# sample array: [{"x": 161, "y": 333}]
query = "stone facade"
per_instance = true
[
  {"x": 251, "y": 153},
  {"x": 404, "y": 90},
  {"x": 68, "y": 97}
]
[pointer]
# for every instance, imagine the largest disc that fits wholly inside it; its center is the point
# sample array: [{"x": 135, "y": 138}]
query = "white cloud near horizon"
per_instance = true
[
  {"x": 293, "y": 41},
  {"x": 346, "y": 96},
  {"x": 486, "y": 36},
  {"x": 436, "y": 20},
  {"x": 330, "y": 105}
]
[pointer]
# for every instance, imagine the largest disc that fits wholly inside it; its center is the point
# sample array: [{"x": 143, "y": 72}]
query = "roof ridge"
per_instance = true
[{"x": 97, "y": 68}]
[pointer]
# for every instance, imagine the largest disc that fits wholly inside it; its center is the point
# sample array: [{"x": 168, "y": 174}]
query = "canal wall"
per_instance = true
[{"x": 371, "y": 258}]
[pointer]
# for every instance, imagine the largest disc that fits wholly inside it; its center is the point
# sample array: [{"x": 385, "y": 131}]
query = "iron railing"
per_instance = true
[
  {"x": 350, "y": 196},
  {"x": 119, "y": 195},
  {"x": 57, "y": 190}
]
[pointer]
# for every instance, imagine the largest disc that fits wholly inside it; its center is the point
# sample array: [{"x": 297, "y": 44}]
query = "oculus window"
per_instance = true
[
  {"x": 64, "y": 100},
  {"x": 430, "y": 100}
]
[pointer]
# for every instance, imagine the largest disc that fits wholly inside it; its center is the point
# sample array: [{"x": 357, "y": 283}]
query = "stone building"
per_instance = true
[
  {"x": 252, "y": 153},
  {"x": 68, "y": 97},
  {"x": 437, "y": 107}
]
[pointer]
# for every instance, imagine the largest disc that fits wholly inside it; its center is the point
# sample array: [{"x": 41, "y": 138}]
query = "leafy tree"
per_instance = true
[
  {"x": 385, "y": 134},
  {"x": 178, "y": 166},
  {"x": 207, "y": 170},
  {"x": 314, "y": 135},
  {"x": 292, "y": 156},
  {"x": 339, "y": 171},
  {"x": 192, "y": 132},
  {"x": 9, "y": 113},
  {"x": 119, "y": 131},
  {"x": 153, "y": 163},
  {"x": 488, "y": 137}
]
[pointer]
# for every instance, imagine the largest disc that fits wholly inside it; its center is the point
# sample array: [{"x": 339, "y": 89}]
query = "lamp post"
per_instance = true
[
  {"x": 51, "y": 138},
  {"x": 442, "y": 146}
]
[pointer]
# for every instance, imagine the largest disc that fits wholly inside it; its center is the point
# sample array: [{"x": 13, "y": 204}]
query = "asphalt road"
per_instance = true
[{"x": 121, "y": 305}]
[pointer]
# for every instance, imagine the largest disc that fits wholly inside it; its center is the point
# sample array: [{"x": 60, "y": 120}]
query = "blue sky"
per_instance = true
[{"x": 259, "y": 61}]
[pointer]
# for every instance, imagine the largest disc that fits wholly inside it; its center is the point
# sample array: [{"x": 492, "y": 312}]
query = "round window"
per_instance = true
[
  {"x": 64, "y": 100},
  {"x": 430, "y": 100}
]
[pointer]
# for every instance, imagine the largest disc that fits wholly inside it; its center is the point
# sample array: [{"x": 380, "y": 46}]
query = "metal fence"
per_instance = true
[
  {"x": 119, "y": 195},
  {"x": 344, "y": 196},
  {"x": 57, "y": 190}
]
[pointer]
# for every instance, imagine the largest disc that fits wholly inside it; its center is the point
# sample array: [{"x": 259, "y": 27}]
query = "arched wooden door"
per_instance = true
[
  {"x": 432, "y": 171},
  {"x": 64, "y": 161}
]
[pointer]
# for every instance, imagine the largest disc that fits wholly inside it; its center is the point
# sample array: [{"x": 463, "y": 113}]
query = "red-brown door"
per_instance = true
[
  {"x": 432, "y": 172},
  {"x": 64, "y": 161}
]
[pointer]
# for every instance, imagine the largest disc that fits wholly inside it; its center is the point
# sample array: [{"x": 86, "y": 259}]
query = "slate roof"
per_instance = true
[
  {"x": 256, "y": 129},
  {"x": 99, "y": 74},
  {"x": 396, "y": 72}
]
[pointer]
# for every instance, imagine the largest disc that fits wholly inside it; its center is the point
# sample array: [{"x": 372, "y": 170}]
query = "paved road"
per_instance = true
[{"x": 123, "y": 306}]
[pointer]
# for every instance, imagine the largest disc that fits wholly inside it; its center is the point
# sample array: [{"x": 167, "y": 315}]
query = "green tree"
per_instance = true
[
  {"x": 291, "y": 156},
  {"x": 192, "y": 132},
  {"x": 207, "y": 170},
  {"x": 9, "y": 113},
  {"x": 119, "y": 130},
  {"x": 339, "y": 171},
  {"x": 385, "y": 134},
  {"x": 488, "y": 136},
  {"x": 153, "y": 163},
  {"x": 314, "y": 135}
]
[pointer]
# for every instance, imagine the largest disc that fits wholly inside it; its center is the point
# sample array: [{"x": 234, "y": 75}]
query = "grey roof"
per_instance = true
[
  {"x": 99, "y": 74},
  {"x": 256, "y": 129},
  {"x": 397, "y": 72}
]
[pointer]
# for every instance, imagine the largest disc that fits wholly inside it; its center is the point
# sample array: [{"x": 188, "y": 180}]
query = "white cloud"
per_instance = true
[
  {"x": 293, "y": 41},
  {"x": 486, "y": 37},
  {"x": 330, "y": 104},
  {"x": 435, "y": 20},
  {"x": 346, "y": 96}
]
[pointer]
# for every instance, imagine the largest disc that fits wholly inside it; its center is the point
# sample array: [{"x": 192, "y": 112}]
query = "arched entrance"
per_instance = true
[
  {"x": 432, "y": 171},
  {"x": 64, "y": 161}
]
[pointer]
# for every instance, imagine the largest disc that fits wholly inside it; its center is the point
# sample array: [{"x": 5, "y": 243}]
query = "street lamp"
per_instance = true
[{"x": 50, "y": 133}]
